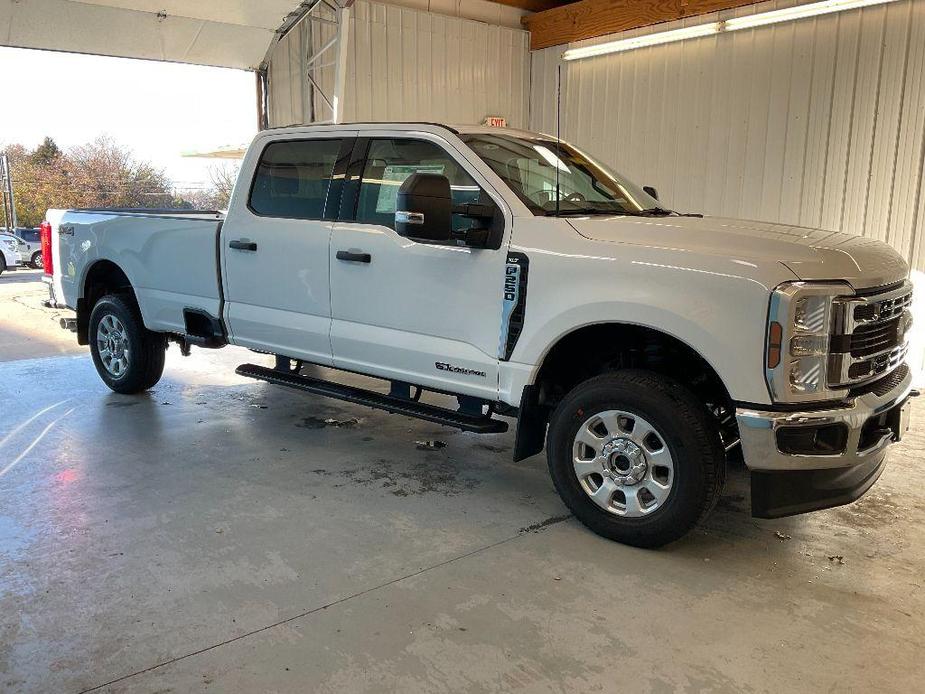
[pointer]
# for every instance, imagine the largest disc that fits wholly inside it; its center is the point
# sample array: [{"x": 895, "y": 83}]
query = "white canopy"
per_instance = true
[{"x": 225, "y": 33}]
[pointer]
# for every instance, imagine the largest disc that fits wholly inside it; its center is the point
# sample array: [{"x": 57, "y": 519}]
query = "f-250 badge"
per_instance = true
[{"x": 513, "y": 303}]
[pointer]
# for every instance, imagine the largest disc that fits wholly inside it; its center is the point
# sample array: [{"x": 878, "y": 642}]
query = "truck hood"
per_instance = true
[{"x": 811, "y": 254}]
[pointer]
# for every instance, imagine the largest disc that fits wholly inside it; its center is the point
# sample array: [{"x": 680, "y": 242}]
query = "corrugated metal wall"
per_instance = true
[
  {"x": 405, "y": 65},
  {"x": 819, "y": 122}
]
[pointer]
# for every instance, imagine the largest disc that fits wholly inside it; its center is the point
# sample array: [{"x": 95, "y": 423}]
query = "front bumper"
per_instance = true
[{"x": 786, "y": 483}]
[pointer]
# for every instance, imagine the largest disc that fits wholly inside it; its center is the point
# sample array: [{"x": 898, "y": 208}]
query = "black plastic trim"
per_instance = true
[
  {"x": 790, "y": 492},
  {"x": 156, "y": 211},
  {"x": 216, "y": 336},
  {"x": 155, "y": 214},
  {"x": 336, "y": 186},
  {"x": 795, "y": 406},
  {"x": 353, "y": 257},
  {"x": 882, "y": 289},
  {"x": 408, "y": 408},
  {"x": 350, "y": 195}
]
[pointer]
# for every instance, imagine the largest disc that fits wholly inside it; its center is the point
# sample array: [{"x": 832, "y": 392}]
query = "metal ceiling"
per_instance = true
[{"x": 225, "y": 33}]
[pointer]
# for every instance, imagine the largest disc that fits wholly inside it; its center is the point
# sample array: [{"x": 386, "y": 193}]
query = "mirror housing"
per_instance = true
[
  {"x": 650, "y": 190},
  {"x": 424, "y": 208}
]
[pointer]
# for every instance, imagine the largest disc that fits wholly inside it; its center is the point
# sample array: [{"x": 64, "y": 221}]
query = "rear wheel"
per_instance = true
[
  {"x": 128, "y": 357},
  {"x": 36, "y": 261},
  {"x": 636, "y": 457}
]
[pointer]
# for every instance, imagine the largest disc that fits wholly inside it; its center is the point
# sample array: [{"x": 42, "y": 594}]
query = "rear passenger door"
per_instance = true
[{"x": 275, "y": 247}]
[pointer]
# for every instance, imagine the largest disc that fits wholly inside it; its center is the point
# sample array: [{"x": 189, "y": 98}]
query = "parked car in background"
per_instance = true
[
  {"x": 9, "y": 252},
  {"x": 30, "y": 246},
  {"x": 637, "y": 344}
]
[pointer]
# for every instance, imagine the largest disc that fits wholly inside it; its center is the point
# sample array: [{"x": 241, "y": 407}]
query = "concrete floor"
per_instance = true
[{"x": 218, "y": 535}]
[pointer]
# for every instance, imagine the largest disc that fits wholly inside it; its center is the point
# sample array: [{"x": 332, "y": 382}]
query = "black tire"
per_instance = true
[
  {"x": 147, "y": 350},
  {"x": 685, "y": 426},
  {"x": 36, "y": 262}
]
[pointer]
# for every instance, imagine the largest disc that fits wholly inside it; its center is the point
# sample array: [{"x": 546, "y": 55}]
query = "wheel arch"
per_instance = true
[
  {"x": 592, "y": 349},
  {"x": 627, "y": 336},
  {"x": 102, "y": 277}
]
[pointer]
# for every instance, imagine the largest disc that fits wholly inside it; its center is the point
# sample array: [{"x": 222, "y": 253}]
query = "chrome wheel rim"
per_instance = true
[
  {"x": 623, "y": 463},
  {"x": 113, "y": 345}
]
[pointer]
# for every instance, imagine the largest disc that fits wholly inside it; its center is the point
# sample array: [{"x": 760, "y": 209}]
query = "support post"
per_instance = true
[
  {"x": 340, "y": 67},
  {"x": 263, "y": 119},
  {"x": 9, "y": 204}
]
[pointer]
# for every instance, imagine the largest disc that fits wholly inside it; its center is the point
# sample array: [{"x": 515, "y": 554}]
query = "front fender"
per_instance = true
[{"x": 717, "y": 306}]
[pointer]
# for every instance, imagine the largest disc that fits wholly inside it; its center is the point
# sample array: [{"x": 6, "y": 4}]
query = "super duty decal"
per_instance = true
[{"x": 513, "y": 303}]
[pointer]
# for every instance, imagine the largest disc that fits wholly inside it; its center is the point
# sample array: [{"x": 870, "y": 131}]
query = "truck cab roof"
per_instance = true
[{"x": 409, "y": 126}]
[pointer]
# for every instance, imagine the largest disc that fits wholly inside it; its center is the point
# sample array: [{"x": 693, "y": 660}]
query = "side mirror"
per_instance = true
[
  {"x": 651, "y": 191},
  {"x": 424, "y": 208}
]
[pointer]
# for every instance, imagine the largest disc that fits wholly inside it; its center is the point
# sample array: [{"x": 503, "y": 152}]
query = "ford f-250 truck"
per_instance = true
[{"x": 640, "y": 346}]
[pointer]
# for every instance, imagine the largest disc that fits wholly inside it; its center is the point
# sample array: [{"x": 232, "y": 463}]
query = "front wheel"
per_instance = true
[
  {"x": 128, "y": 357},
  {"x": 636, "y": 457},
  {"x": 36, "y": 261}
]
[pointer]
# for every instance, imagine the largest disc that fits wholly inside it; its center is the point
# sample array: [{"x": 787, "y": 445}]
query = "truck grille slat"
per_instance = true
[{"x": 869, "y": 335}]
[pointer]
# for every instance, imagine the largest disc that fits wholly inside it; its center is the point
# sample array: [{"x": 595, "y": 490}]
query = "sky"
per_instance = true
[{"x": 156, "y": 109}]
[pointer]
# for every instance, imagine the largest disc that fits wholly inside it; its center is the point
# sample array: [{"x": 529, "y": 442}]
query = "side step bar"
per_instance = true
[{"x": 409, "y": 408}]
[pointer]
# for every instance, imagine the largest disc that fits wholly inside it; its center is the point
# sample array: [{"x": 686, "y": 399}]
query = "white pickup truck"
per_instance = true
[{"x": 641, "y": 346}]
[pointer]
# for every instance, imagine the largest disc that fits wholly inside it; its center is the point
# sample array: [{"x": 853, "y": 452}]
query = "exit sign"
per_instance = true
[{"x": 495, "y": 122}]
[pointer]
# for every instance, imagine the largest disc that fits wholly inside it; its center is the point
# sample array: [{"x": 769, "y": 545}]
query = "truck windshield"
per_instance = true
[{"x": 531, "y": 167}]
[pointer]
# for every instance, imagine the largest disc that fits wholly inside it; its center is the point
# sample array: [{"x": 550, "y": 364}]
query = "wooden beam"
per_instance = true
[
  {"x": 533, "y": 5},
  {"x": 589, "y": 18}
]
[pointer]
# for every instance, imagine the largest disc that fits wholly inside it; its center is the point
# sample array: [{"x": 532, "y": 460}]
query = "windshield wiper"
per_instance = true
[
  {"x": 582, "y": 211},
  {"x": 662, "y": 212}
]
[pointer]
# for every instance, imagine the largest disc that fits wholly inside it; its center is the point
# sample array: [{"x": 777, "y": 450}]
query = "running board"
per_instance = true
[{"x": 409, "y": 408}]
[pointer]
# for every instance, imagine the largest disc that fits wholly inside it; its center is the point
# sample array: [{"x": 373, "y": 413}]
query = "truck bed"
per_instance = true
[{"x": 169, "y": 256}]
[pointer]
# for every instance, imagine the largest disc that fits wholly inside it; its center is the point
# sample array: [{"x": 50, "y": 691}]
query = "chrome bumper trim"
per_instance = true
[{"x": 758, "y": 432}]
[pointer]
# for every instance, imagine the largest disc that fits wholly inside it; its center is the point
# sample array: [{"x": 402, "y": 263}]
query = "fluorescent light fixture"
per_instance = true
[
  {"x": 642, "y": 41},
  {"x": 796, "y": 12},
  {"x": 787, "y": 14}
]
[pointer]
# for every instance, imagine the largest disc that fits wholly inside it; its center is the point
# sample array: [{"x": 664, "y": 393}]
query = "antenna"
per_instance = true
[{"x": 558, "y": 129}]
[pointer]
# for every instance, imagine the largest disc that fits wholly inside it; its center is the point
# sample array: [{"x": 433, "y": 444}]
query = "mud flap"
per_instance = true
[{"x": 531, "y": 425}]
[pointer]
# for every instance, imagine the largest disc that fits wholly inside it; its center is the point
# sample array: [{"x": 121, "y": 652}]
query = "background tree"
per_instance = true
[
  {"x": 101, "y": 173},
  {"x": 46, "y": 153}
]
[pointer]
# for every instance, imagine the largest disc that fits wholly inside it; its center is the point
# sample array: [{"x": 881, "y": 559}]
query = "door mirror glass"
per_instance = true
[
  {"x": 424, "y": 208},
  {"x": 651, "y": 191}
]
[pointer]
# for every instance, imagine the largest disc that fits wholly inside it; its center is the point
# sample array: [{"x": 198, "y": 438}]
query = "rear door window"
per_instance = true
[{"x": 293, "y": 178}]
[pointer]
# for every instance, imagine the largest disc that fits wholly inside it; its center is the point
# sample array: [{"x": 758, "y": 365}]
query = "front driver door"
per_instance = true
[
  {"x": 421, "y": 313},
  {"x": 275, "y": 248}
]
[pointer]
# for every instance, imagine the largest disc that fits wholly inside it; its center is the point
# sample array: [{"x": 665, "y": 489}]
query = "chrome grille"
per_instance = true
[
  {"x": 869, "y": 337},
  {"x": 873, "y": 338},
  {"x": 881, "y": 310}
]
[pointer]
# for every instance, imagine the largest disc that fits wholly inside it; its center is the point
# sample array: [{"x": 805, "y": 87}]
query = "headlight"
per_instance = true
[{"x": 799, "y": 334}]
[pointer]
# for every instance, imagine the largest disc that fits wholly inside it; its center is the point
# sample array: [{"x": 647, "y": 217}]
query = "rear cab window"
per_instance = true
[{"x": 293, "y": 178}]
